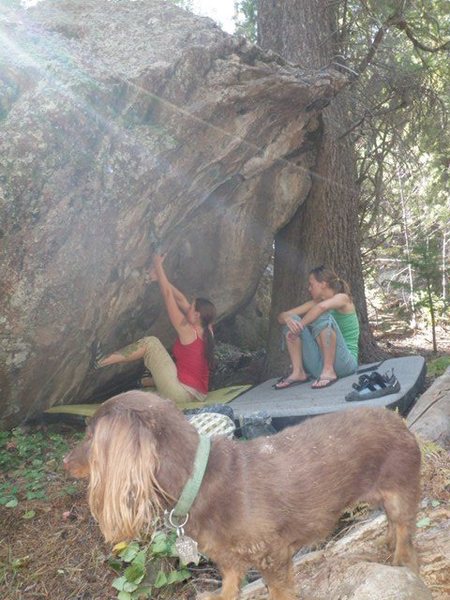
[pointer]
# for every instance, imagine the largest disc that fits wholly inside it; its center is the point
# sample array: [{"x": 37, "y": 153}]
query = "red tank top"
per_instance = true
[{"x": 192, "y": 366}]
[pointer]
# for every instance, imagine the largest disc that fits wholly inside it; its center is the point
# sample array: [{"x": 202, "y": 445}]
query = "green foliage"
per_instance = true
[
  {"x": 11, "y": 566},
  {"x": 425, "y": 259},
  {"x": 245, "y": 18},
  {"x": 399, "y": 112},
  {"x": 437, "y": 366},
  {"x": 28, "y": 461},
  {"x": 146, "y": 567},
  {"x": 424, "y": 522}
]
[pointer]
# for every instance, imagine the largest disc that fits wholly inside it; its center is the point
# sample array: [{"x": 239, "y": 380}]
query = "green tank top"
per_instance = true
[{"x": 349, "y": 326}]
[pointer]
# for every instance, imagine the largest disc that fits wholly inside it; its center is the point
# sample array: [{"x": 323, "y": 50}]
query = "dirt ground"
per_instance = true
[
  {"x": 59, "y": 554},
  {"x": 398, "y": 340}
]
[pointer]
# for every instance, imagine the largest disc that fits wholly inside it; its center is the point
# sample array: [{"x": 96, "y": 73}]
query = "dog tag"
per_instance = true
[{"x": 186, "y": 549}]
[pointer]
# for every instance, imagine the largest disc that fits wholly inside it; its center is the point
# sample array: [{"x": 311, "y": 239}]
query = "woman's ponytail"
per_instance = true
[
  {"x": 208, "y": 313},
  {"x": 337, "y": 284}
]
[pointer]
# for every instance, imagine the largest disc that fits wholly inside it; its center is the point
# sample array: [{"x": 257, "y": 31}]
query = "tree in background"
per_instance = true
[
  {"x": 384, "y": 147},
  {"x": 325, "y": 229},
  {"x": 426, "y": 262}
]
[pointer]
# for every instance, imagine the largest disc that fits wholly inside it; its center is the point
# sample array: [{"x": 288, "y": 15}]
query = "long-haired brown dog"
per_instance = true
[{"x": 260, "y": 500}]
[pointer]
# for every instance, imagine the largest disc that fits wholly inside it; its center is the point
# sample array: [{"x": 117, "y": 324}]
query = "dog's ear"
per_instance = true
[{"x": 124, "y": 495}]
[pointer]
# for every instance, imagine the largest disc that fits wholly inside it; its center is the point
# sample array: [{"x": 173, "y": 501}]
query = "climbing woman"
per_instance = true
[{"x": 186, "y": 379}]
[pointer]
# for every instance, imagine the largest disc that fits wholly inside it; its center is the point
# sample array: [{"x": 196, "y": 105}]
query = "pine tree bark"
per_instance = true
[{"x": 325, "y": 228}]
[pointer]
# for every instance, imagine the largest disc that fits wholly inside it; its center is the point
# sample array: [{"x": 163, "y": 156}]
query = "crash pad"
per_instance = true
[
  {"x": 292, "y": 405},
  {"x": 220, "y": 396}
]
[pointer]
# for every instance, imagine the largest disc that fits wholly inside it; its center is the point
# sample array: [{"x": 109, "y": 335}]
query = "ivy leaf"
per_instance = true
[
  {"x": 177, "y": 576},
  {"x": 161, "y": 580},
  {"x": 35, "y": 495},
  {"x": 424, "y": 522},
  {"x": 159, "y": 536},
  {"x": 115, "y": 564},
  {"x": 130, "y": 552},
  {"x": 29, "y": 514},
  {"x": 135, "y": 573},
  {"x": 140, "y": 559},
  {"x": 129, "y": 586},
  {"x": 159, "y": 544},
  {"x": 12, "y": 503},
  {"x": 120, "y": 546},
  {"x": 119, "y": 583},
  {"x": 70, "y": 490},
  {"x": 124, "y": 596},
  {"x": 144, "y": 591}
]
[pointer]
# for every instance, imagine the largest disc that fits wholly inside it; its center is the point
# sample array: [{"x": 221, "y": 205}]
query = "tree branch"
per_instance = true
[
  {"x": 373, "y": 48},
  {"x": 400, "y": 23},
  {"x": 403, "y": 26}
]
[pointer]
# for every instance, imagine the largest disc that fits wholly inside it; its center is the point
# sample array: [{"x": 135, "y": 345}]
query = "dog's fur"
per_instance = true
[{"x": 260, "y": 500}]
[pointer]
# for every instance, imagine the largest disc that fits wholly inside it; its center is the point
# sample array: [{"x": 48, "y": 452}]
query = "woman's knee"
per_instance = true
[
  {"x": 285, "y": 329},
  {"x": 323, "y": 322},
  {"x": 345, "y": 363},
  {"x": 150, "y": 341},
  {"x": 153, "y": 347}
]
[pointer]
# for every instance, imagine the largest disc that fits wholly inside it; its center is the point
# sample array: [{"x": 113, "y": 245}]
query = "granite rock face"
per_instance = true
[
  {"x": 122, "y": 123},
  {"x": 430, "y": 415}
]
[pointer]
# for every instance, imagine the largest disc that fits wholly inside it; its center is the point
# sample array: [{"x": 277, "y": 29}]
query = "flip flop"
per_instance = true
[
  {"x": 329, "y": 380},
  {"x": 287, "y": 383}
]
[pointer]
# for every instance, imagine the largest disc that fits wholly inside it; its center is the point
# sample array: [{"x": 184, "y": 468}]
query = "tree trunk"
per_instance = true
[{"x": 325, "y": 228}]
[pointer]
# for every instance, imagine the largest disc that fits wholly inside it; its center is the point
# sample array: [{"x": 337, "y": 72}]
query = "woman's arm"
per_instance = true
[
  {"x": 298, "y": 310},
  {"x": 176, "y": 316},
  {"x": 337, "y": 302},
  {"x": 285, "y": 318},
  {"x": 180, "y": 298}
]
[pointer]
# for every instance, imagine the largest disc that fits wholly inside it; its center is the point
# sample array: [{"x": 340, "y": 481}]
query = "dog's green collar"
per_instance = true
[{"x": 190, "y": 490}]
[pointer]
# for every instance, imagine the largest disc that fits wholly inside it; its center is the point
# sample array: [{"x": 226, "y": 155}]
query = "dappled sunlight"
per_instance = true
[{"x": 38, "y": 50}]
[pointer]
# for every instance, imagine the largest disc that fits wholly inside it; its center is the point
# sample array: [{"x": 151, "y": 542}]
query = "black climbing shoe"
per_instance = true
[
  {"x": 96, "y": 356},
  {"x": 374, "y": 385}
]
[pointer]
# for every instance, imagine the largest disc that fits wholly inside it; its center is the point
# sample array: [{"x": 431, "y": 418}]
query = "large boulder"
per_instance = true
[
  {"x": 123, "y": 123},
  {"x": 430, "y": 416}
]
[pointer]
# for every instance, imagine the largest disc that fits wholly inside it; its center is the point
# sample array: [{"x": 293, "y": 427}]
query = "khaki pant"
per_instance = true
[{"x": 164, "y": 372}]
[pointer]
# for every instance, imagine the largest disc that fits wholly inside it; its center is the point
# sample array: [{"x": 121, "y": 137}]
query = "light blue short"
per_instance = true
[{"x": 344, "y": 362}]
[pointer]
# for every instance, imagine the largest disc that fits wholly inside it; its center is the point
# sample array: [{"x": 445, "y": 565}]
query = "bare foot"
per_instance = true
[
  {"x": 325, "y": 380},
  {"x": 147, "y": 382},
  {"x": 290, "y": 381}
]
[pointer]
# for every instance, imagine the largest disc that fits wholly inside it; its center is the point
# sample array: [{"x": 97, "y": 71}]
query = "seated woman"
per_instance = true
[
  {"x": 188, "y": 379},
  {"x": 322, "y": 334}
]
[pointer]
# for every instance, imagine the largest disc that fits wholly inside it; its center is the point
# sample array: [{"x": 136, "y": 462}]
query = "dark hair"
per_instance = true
[
  {"x": 338, "y": 285},
  {"x": 208, "y": 313}
]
